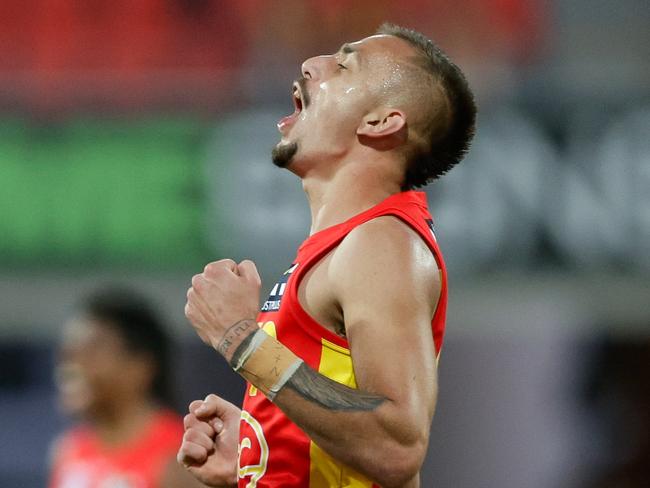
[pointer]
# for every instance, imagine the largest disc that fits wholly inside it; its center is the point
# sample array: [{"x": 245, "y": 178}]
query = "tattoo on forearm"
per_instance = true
[
  {"x": 270, "y": 366},
  {"x": 247, "y": 328},
  {"x": 329, "y": 394}
]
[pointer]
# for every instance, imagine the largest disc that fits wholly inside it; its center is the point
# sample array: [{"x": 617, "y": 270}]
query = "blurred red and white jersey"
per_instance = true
[{"x": 82, "y": 461}]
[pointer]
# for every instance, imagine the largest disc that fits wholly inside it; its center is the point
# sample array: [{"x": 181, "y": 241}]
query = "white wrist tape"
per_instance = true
[
  {"x": 259, "y": 336},
  {"x": 267, "y": 364}
]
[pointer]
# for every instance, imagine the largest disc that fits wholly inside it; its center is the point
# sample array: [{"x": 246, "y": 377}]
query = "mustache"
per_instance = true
[{"x": 306, "y": 99}]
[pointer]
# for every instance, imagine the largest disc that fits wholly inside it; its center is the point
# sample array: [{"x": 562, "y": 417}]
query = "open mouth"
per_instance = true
[{"x": 297, "y": 98}]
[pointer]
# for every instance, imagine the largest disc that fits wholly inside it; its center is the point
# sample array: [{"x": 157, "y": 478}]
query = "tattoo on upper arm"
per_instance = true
[{"x": 329, "y": 394}]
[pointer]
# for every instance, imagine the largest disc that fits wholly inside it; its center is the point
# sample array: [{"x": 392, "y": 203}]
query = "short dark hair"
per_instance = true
[
  {"x": 133, "y": 317},
  {"x": 447, "y": 145}
]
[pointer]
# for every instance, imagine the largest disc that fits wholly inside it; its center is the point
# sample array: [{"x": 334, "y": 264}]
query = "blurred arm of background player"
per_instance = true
[{"x": 385, "y": 282}]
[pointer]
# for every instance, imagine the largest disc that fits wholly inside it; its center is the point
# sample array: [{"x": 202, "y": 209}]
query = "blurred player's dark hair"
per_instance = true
[
  {"x": 133, "y": 317},
  {"x": 447, "y": 145}
]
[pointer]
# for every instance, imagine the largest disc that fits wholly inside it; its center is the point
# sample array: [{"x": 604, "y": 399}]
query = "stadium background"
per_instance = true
[{"x": 134, "y": 147}]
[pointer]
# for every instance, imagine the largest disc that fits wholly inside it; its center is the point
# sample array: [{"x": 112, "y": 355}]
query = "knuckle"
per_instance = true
[
  {"x": 206, "y": 428},
  {"x": 183, "y": 456},
  {"x": 180, "y": 457},
  {"x": 188, "y": 454},
  {"x": 211, "y": 398},
  {"x": 194, "y": 405},
  {"x": 199, "y": 438},
  {"x": 197, "y": 282},
  {"x": 190, "y": 435},
  {"x": 221, "y": 266},
  {"x": 211, "y": 267},
  {"x": 184, "y": 459}
]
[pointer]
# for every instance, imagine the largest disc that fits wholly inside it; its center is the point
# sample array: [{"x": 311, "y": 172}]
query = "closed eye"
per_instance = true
[{"x": 341, "y": 66}]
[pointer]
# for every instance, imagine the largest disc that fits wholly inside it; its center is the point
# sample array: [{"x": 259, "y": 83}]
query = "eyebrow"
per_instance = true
[{"x": 349, "y": 49}]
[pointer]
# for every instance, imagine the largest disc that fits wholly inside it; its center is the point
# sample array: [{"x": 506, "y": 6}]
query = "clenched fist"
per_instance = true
[
  {"x": 209, "y": 448},
  {"x": 223, "y": 295}
]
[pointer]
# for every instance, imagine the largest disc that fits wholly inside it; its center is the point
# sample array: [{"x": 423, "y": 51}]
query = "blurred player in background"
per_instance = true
[
  {"x": 341, "y": 360},
  {"x": 111, "y": 374}
]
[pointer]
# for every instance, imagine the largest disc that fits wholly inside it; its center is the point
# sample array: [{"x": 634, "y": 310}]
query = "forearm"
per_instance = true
[{"x": 369, "y": 432}]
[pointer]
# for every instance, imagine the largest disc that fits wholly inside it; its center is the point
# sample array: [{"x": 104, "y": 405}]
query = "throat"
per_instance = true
[
  {"x": 348, "y": 192},
  {"x": 341, "y": 208}
]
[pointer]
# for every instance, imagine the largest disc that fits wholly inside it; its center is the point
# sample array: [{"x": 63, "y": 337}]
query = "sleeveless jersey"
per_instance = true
[
  {"x": 273, "y": 451},
  {"x": 82, "y": 461}
]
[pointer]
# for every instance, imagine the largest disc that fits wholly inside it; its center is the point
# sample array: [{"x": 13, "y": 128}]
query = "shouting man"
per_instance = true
[{"x": 341, "y": 360}]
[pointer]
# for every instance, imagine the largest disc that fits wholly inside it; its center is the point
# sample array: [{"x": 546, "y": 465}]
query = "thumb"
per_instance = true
[{"x": 248, "y": 271}]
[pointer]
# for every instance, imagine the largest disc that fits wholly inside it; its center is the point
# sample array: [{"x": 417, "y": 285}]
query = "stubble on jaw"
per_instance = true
[{"x": 282, "y": 154}]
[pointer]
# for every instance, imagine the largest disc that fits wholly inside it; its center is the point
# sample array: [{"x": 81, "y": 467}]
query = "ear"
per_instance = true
[{"x": 382, "y": 123}]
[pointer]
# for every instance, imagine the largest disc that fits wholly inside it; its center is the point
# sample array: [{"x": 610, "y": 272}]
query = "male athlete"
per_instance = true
[{"x": 341, "y": 360}]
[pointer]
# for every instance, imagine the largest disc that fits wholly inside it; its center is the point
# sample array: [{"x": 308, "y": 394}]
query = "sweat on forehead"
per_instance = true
[{"x": 391, "y": 61}]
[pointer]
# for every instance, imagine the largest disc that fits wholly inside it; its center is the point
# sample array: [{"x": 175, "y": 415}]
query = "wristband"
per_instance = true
[
  {"x": 267, "y": 364},
  {"x": 258, "y": 337}
]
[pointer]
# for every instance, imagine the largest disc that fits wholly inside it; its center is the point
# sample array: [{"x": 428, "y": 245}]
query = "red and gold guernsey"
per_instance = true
[{"x": 273, "y": 451}]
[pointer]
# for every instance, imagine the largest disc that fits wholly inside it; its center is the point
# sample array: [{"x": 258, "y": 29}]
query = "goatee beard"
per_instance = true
[{"x": 282, "y": 154}]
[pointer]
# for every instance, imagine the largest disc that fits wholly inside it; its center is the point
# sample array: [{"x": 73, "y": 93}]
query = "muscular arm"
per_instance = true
[{"x": 387, "y": 283}]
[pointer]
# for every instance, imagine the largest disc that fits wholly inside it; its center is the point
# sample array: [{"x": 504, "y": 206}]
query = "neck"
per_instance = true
[
  {"x": 122, "y": 422},
  {"x": 350, "y": 190}
]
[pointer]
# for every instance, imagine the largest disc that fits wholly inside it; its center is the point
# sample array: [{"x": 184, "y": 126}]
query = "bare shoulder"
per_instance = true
[
  {"x": 385, "y": 250},
  {"x": 383, "y": 240}
]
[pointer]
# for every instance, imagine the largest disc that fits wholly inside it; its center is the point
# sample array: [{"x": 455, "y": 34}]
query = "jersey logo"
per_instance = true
[
  {"x": 272, "y": 304},
  {"x": 253, "y": 450}
]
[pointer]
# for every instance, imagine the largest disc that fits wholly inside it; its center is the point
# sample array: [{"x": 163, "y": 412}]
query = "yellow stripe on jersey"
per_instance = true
[
  {"x": 336, "y": 364},
  {"x": 324, "y": 470}
]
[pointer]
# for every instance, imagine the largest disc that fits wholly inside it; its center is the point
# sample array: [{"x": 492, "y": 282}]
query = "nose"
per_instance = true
[{"x": 316, "y": 68}]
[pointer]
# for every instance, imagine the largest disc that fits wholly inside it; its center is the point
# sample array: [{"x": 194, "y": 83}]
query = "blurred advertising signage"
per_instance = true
[
  {"x": 518, "y": 202},
  {"x": 98, "y": 192}
]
